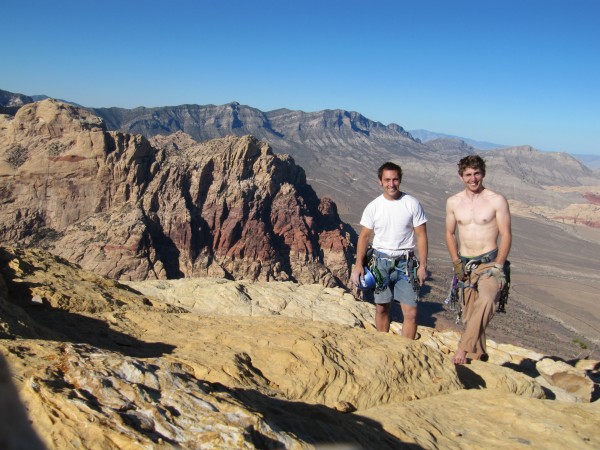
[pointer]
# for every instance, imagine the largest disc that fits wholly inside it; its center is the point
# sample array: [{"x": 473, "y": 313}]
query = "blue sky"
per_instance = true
[{"x": 508, "y": 72}]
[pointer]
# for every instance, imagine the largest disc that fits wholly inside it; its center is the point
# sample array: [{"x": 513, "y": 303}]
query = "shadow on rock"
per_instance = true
[
  {"x": 427, "y": 311},
  {"x": 77, "y": 328},
  {"x": 468, "y": 378},
  {"x": 22, "y": 317},
  {"x": 526, "y": 366},
  {"x": 318, "y": 425},
  {"x": 16, "y": 431}
]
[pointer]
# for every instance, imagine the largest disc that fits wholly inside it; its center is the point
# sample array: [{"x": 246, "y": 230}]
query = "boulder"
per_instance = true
[{"x": 563, "y": 375}]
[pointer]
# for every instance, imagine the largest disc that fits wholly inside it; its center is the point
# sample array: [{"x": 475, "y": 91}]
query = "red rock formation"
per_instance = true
[
  {"x": 125, "y": 208},
  {"x": 592, "y": 198}
]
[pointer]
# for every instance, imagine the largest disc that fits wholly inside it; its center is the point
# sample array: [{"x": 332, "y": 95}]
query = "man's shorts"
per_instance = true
[{"x": 399, "y": 287}]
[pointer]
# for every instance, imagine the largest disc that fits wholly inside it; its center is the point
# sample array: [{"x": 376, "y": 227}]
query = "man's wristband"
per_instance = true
[{"x": 499, "y": 266}]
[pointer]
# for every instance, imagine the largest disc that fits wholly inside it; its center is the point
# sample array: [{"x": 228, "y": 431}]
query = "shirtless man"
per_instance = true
[{"x": 481, "y": 216}]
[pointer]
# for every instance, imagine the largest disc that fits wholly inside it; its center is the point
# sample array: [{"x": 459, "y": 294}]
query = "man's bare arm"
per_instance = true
[
  {"x": 361, "y": 251},
  {"x": 422, "y": 249},
  {"x": 504, "y": 229},
  {"x": 451, "y": 241}
]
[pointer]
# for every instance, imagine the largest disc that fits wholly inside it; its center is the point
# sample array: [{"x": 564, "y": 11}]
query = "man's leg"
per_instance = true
[
  {"x": 405, "y": 294},
  {"x": 479, "y": 309},
  {"x": 486, "y": 307},
  {"x": 409, "y": 323},
  {"x": 382, "y": 316}
]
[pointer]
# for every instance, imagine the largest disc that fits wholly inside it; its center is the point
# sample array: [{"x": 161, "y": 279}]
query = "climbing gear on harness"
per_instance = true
[
  {"x": 415, "y": 267},
  {"x": 373, "y": 279},
  {"x": 503, "y": 300},
  {"x": 371, "y": 263},
  {"x": 367, "y": 281},
  {"x": 388, "y": 269},
  {"x": 455, "y": 298},
  {"x": 483, "y": 259}
]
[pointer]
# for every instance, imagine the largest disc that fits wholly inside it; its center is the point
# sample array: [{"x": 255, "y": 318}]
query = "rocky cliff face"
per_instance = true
[{"x": 126, "y": 208}]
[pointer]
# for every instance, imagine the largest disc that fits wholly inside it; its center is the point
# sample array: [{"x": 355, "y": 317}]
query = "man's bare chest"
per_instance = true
[{"x": 475, "y": 213}]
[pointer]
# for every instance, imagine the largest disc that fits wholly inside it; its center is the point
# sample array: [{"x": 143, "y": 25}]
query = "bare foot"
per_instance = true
[{"x": 460, "y": 357}]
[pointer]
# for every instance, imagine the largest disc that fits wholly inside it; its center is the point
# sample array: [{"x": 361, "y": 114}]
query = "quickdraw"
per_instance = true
[{"x": 456, "y": 296}]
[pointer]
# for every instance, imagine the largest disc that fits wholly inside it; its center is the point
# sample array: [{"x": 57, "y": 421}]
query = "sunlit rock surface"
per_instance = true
[{"x": 98, "y": 364}]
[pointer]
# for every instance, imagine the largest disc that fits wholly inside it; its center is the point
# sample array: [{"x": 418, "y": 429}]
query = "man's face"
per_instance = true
[
  {"x": 390, "y": 182},
  {"x": 473, "y": 179}
]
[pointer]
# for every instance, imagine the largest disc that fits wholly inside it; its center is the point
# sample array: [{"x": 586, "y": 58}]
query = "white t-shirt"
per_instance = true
[{"x": 393, "y": 222}]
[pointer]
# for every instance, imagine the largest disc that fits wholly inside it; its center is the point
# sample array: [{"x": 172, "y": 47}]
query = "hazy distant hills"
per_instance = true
[
  {"x": 592, "y": 161},
  {"x": 426, "y": 136},
  {"x": 10, "y": 102}
]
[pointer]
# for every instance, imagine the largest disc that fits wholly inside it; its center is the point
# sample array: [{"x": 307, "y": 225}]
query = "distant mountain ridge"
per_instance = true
[
  {"x": 341, "y": 151},
  {"x": 204, "y": 122},
  {"x": 11, "y": 102},
  {"x": 151, "y": 121}
]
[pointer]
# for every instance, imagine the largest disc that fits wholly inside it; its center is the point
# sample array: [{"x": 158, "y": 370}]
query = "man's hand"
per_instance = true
[
  {"x": 422, "y": 275},
  {"x": 497, "y": 271},
  {"x": 459, "y": 269},
  {"x": 357, "y": 273}
]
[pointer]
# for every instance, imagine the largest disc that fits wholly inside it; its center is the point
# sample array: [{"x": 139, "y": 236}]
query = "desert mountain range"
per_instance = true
[{"x": 160, "y": 205}]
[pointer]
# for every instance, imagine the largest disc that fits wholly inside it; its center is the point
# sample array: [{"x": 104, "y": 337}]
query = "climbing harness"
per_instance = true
[
  {"x": 399, "y": 267},
  {"x": 456, "y": 296}
]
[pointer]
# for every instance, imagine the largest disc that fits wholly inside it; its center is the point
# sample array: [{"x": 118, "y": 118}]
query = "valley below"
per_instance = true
[{"x": 555, "y": 268}]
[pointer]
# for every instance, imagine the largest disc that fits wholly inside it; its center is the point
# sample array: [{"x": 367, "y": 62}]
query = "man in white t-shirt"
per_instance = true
[{"x": 396, "y": 219}]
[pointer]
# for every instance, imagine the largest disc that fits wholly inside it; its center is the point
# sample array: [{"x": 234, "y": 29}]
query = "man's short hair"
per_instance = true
[
  {"x": 471, "y": 162},
  {"x": 390, "y": 166}
]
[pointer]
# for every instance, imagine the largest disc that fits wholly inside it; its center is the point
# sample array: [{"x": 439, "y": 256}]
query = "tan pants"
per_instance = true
[{"x": 478, "y": 309}]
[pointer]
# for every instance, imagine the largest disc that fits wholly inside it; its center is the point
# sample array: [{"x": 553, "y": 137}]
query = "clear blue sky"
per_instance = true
[{"x": 506, "y": 71}]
